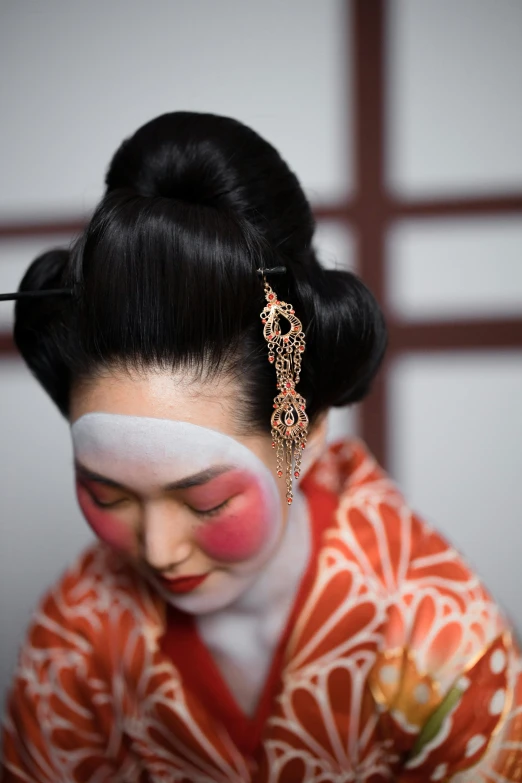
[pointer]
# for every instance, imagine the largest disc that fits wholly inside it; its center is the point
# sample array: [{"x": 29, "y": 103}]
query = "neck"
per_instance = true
[
  {"x": 243, "y": 637},
  {"x": 279, "y": 580}
]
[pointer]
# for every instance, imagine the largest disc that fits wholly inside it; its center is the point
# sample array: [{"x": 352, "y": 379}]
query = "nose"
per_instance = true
[{"x": 166, "y": 537}]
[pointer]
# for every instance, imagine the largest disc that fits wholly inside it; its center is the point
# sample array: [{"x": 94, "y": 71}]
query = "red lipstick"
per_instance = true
[{"x": 183, "y": 584}]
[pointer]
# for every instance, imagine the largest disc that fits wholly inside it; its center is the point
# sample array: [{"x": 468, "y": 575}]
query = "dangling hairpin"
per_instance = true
[{"x": 289, "y": 420}]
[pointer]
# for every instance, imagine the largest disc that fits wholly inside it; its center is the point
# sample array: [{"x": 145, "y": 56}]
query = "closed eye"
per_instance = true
[
  {"x": 112, "y": 504},
  {"x": 210, "y": 512}
]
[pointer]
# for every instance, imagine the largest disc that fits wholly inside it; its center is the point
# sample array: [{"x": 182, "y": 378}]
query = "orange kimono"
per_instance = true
[{"x": 395, "y": 665}]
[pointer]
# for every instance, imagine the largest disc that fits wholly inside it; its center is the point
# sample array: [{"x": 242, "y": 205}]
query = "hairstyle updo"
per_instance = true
[{"x": 164, "y": 275}]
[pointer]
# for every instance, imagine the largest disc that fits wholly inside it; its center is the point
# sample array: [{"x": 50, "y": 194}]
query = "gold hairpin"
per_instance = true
[{"x": 289, "y": 420}]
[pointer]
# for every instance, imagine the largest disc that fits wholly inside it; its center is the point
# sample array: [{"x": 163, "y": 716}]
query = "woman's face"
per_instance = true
[{"x": 162, "y": 476}]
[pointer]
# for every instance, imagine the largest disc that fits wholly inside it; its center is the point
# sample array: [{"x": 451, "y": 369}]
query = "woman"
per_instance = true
[{"x": 260, "y": 607}]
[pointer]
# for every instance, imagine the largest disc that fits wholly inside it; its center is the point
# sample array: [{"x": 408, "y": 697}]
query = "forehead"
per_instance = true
[
  {"x": 143, "y": 449},
  {"x": 158, "y": 394}
]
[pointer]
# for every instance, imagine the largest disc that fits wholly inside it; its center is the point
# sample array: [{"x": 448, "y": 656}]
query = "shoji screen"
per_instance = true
[{"x": 453, "y": 270}]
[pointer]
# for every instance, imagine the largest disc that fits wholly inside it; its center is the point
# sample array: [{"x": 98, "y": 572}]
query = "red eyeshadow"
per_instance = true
[
  {"x": 104, "y": 522},
  {"x": 214, "y": 492}
]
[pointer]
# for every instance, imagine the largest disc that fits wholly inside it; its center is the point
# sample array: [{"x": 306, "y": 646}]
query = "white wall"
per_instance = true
[{"x": 455, "y": 76}]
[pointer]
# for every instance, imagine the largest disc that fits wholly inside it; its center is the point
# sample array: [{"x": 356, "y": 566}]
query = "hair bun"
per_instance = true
[
  {"x": 47, "y": 271},
  {"x": 37, "y": 321},
  {"x": 182, "y": 156},
  {"x": 347, "y": 337},
  {"x": 215, "y": 161}
]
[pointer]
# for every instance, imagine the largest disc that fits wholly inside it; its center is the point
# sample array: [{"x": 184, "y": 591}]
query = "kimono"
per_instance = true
[{"x": 395, "y": 664}]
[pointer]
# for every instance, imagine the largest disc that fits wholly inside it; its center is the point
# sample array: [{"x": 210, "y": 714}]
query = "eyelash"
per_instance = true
[
  {"x": 107, "y": 505},
  {"x": 208, "y": 513},
  {"x": 211, "y": 511}
]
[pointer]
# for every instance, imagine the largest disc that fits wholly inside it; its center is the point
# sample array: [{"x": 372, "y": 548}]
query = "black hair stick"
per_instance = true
[
  {"x": 33, "y": 294},
  {"x": 274, "y": 270}
]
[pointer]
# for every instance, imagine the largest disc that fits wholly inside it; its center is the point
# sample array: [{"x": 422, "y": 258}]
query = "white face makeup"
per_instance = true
[{"x": 180, "y": 499}]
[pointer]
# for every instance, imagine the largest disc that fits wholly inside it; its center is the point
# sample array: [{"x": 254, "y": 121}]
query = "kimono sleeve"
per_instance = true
[
  {"x": 59, "y": 726},
  {"x": 448, "y": 680}
]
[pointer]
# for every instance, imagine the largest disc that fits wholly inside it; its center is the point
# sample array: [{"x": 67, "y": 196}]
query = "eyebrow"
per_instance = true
[{"x": 185, "y": 483}]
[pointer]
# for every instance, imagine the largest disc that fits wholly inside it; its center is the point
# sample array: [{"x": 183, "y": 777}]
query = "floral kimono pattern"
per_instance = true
[{"x": 396, "y": 665}]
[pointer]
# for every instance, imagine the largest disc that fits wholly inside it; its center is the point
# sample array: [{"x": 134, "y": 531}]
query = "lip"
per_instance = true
[{"x": 183, "y": 584}]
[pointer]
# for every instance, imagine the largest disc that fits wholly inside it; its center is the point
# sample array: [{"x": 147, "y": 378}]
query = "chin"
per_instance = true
[{"x": 208, "y": 598}]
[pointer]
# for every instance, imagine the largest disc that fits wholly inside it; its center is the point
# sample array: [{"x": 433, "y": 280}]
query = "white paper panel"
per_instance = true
[
  {"x": 79, "y": 77},
  {"x": 451, "y": 269},
  {"x": 15, "y": 257},
  {"x": 455, "y": 87},
  {"x": 343, "y": 422},
  {"x": 456, "y": 422},
  {"x": 41, "y": 526},
  {"x": 335, "y": 244}
]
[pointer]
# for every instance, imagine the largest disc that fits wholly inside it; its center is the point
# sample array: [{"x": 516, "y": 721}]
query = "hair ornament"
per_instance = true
[
  {"x": 285, "y": 349},
  {"x": 37, "y": 293}
]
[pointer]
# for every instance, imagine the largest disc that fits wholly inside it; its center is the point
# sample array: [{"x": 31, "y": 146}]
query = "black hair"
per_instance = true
[{"x": 165, "y": 275}]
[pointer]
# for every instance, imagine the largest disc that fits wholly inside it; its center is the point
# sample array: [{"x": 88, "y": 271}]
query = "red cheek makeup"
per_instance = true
[
  {"x": 233, "y": 537},
  {"x": 104, "y": 522},
  {"x": 241, "y": 529}
]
